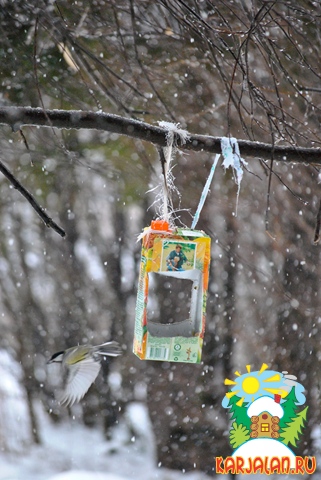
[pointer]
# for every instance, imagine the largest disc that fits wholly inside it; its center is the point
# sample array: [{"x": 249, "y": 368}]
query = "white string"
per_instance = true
[
  {"x": 166, "y": 193},
  {"x": 172, "y": 130},
  {"x": 205, "y": 191}
]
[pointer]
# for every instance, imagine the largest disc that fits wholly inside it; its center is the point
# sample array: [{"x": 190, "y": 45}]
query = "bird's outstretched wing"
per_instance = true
[{"x": 78, "y": 379}]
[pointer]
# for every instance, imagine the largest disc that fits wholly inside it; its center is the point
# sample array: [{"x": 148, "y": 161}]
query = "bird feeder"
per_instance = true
[{"x": 178, "y": 259}]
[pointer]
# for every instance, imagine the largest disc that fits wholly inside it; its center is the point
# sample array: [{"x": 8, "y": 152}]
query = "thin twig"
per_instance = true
[
  {"x": 26, "y": 145},
  {"x": 29, "y": 197},
  {"x": 317, "y": 226},
  {"x": 267, "y": 226},
  {"x": 35, "y": 69},
  {"x": 24, "y": 140},
  {"x": 295, "y": 195}
]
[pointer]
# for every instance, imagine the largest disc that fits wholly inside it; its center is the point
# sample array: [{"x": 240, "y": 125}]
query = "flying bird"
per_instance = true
[{"x": 79, "y": 367}]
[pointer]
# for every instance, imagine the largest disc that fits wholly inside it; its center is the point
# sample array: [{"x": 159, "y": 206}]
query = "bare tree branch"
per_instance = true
[
  {"x": 17, "y": 117},
  {"x": 317, "y": 226},
  {"x": 40, "y": 211}
]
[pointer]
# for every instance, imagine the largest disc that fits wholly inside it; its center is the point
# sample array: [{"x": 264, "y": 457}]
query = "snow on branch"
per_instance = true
[{"x": 18, "y": 117}]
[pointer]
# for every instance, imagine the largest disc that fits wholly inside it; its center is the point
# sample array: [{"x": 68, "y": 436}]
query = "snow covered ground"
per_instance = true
[{"x": 71, "y": 451}]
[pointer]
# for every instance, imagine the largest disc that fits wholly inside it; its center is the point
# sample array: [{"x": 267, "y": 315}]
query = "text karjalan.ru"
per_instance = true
[{"x": 265, "y": 465}]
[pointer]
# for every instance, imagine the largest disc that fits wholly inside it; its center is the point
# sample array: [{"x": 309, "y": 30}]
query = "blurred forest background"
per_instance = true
[{"x": 249, "y": 69}]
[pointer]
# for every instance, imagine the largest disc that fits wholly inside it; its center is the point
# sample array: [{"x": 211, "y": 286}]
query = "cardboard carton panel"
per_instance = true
[{"x": 176, "y": 258}]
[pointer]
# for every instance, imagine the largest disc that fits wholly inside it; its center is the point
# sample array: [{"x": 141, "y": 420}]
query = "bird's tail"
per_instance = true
[{"x": 112, "y": 349}]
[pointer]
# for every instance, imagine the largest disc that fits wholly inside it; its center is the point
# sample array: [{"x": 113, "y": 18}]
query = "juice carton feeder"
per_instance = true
[{"x": 177, "y": 261}]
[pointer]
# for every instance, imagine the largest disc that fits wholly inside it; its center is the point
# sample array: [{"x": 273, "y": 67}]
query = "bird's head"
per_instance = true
[{"x": 56, "y": 358}]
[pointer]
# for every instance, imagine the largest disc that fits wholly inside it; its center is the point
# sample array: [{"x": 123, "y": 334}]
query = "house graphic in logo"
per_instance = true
[
  {"x": 267, "y": 418},
  {"x": 265, "y": 414}
]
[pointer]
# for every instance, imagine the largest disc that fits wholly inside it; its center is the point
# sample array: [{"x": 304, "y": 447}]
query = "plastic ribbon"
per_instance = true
[
  {"x": 205, "y": 191},
  {"x": 232, "y": 158}
]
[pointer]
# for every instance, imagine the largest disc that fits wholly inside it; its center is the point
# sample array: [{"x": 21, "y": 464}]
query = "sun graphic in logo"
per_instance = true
[{"x": 252, "y": 385}]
